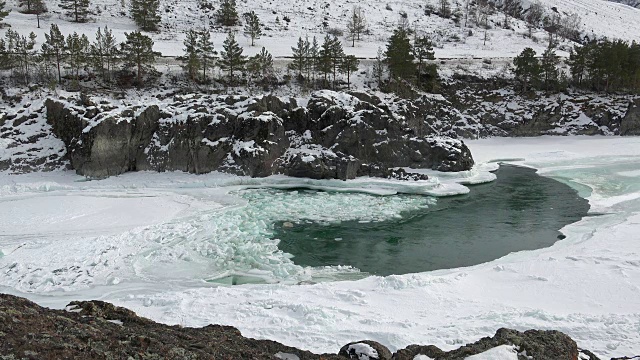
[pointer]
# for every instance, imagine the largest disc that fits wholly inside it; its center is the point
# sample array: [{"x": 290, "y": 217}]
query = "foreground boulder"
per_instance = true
[{"x": 333, "y": 137}]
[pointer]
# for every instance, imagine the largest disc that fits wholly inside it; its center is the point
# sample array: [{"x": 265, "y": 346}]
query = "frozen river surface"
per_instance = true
[{"x": 161, "y": 244}]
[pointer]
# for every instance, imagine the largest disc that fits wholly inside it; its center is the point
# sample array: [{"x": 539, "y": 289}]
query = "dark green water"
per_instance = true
[{"x": 519, "y": 211}]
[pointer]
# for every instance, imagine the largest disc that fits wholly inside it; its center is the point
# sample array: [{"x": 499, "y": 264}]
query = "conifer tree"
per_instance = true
[
  {"x": 77, "y": 50},
  {"x": 348, "y": 66},
  {"x": 337, "y": 55},
  {"x": 510, "y": 8},
  {"x": 312, "y": 58},
  {"x": 578, "y": 63},
  {"x": 261, "y": 64},
  {"x": 3, "y": 11},
  {"x": 104, "y": 51},
  {"x": 54, "y": 48},
  {"x": 445, "y": 8},
  {"x": 227, "y": 15},
  {"x": 378, "y": 67},
  {"x": 207, "y": 52},
  {"x": 330, "y": 57},
  {"x": 146, "y": 13},
  {"x": 549, "y": 66},
  {"x": 300, "y": 60},
  {"x": 534, "y": 16},
  {"x": 325, "y": 62},
  {"x": 422, "y": 50},
  {"x": 28, "y": 4},
  {"x": 231, "y": 58},
  {"x": 357, "y": 25},
  {"x": 399, "y": 55},
  {"x": 191, "y": 59},
  {"x": 527, "y": 68},
  {"x": 39, "y": 8},
  {"x": 252, "y": 27},
  {"x": 23, "y": 53},
  {"x": 76, "y": 9},
  {"x": 137, "y": 51}
]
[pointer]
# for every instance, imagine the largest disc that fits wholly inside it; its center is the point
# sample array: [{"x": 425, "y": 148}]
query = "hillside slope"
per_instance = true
[{"x": 283, "y": 25}]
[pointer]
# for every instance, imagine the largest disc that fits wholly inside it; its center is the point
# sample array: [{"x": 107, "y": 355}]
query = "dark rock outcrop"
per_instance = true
[
  {"x": 332, "y": 137},
  {"x": 98, "y": 330},
  {"x": 631, "y": 123},
  {"x": 531, "y": 344}
]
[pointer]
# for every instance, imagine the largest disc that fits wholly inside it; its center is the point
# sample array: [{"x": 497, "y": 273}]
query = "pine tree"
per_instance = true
[
  {"x": 146, "y": 13},
  {"x": 348, "y": 66},
  {"x": 24, "y": 53},
  {"x": 312, "y": 58},
  {"x": 54, "y": 48},
  {"x": 104, "y": 51},
  {"x": 5, "y": 60},
  {"x": 39, "y": 8},
  {"x": 231, "y": 58},
  {"x": 399, "y": 55},
  {"x": 77, "y": 50},
  {"x": 422, "y": 50},
  {"x": 252, "y": 27},
  {"x": 300, "y": 60},
  {"x": 261, "y": 64},
  {"x": 207, "y": 52},
  {"x": 549, "y": 66},
  {"x": 578, "y": 63},
  {"x": 325, "y": 61},
  {"x": 3, "y": 13},
  {"x": 510, "y": 8},
  {"x": 445, "y": 8},
  {"x": 28, "y": 4},
  {"x": 378, "y": 67},
  {"x": 534, "y": 16},
  {"x": 137, "y": 51},
  {"x": 77, "y": 9},
  {"x": 191, "y": 59},
  {"x": 357, "y": 25},
  {"x": 227, "y": 15},
  {"x": 527, "y": 68},
  {"x": 337, "y": 55}
]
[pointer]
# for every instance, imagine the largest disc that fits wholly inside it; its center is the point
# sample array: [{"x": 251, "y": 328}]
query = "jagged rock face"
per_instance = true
[
  {"x": 631, "y": 122},
  {"x": 332, "y": 137},
  {"x": 495, "y": 109},
  {"x": 531, "y": 344}
]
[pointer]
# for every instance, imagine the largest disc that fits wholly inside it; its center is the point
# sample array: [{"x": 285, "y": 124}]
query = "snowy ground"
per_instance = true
[{"x": 58, "y": 242}]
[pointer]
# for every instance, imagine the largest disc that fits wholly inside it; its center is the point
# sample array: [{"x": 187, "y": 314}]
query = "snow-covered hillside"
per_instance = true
[
  {"x": 284, "y": 24},
  {"x": 634, "y": 3}
]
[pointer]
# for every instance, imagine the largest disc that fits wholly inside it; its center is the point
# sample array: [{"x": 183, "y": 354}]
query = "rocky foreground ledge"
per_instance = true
[{"x": 99, "y": 330}]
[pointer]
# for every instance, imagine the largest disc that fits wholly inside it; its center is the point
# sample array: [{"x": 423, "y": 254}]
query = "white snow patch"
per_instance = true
[
  {"x": 363, "y": 351},
  {"x": 502, "y": 352}
]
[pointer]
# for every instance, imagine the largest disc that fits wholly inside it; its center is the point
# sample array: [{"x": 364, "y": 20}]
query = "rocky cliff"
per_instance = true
[
  {"x": 99, "y": 330},
  {"x": 336, "y": 135},
  {"x": 325, "y": 135}
]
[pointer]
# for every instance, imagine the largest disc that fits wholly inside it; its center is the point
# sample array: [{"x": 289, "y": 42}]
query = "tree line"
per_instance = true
[{"x": 599, "y": 65}]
